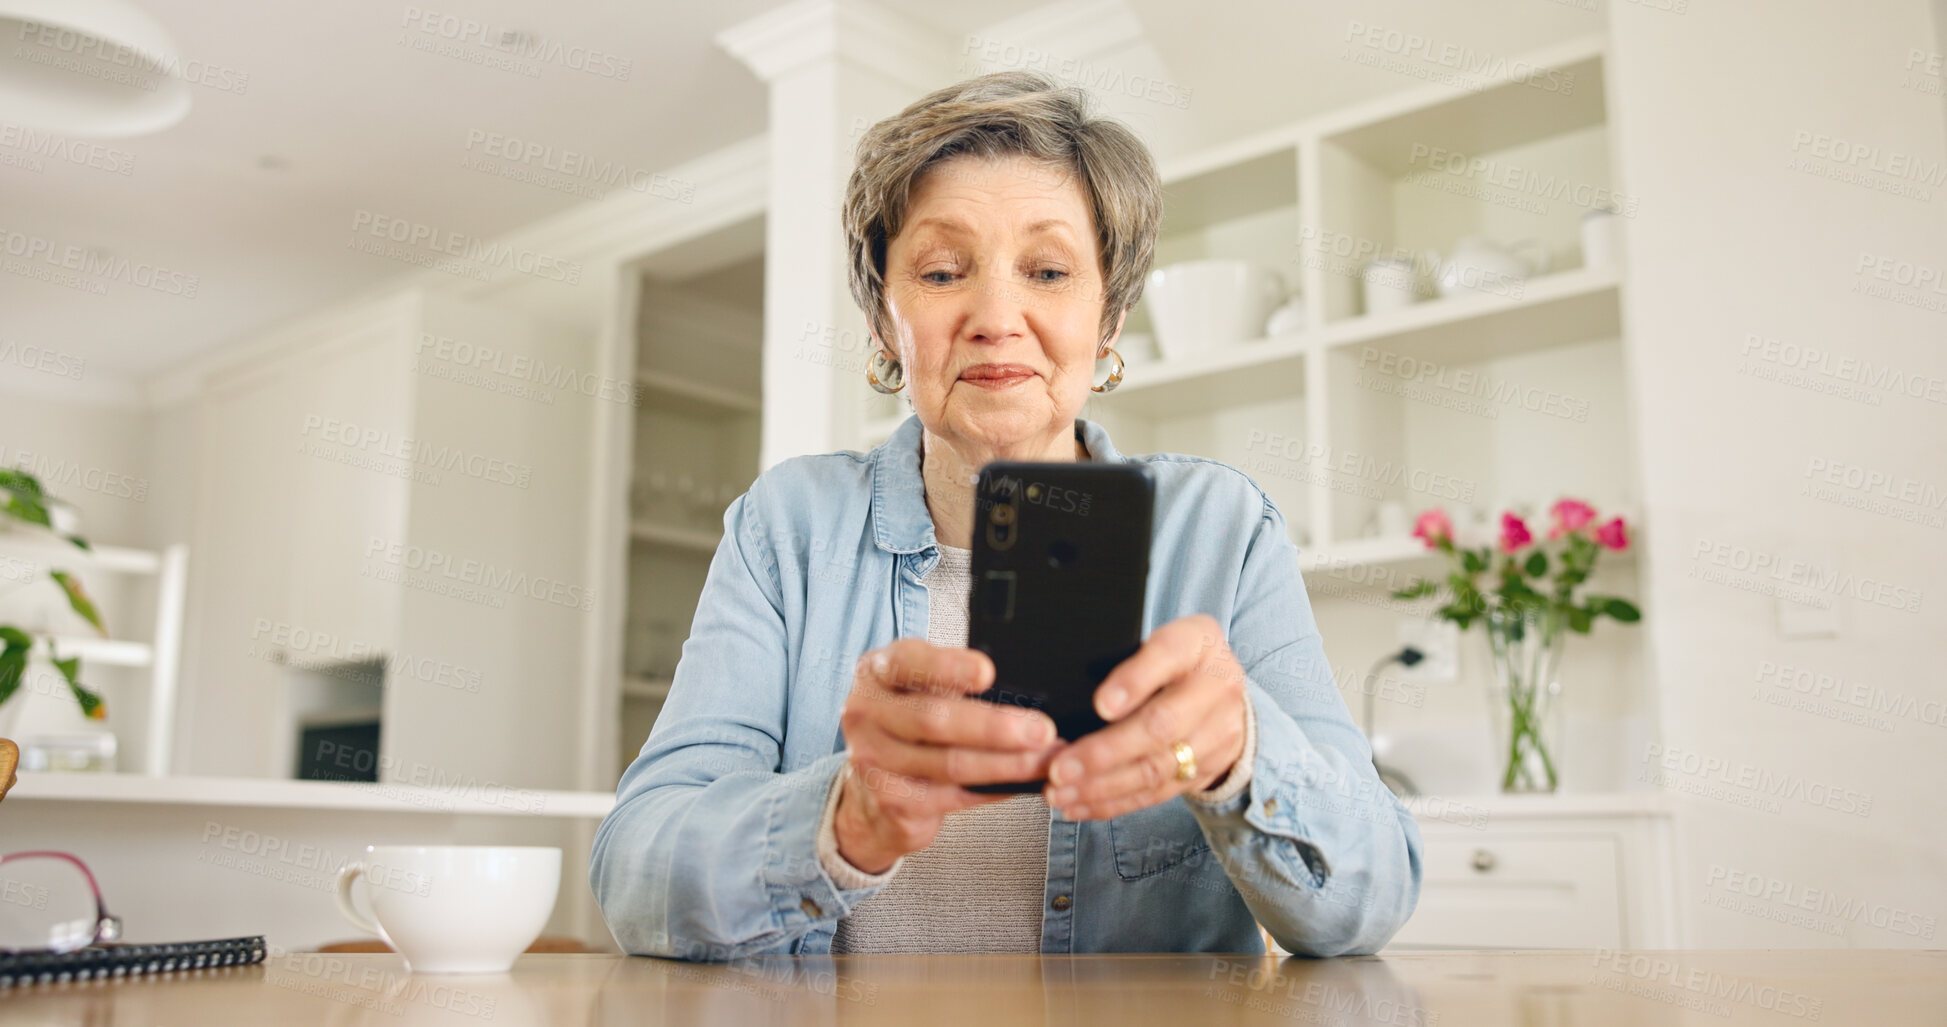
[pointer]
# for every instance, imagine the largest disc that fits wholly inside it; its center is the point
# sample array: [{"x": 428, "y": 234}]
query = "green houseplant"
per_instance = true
[
  {"x": 1523, "y": 592},
  {"x": 27, "y": 504}
]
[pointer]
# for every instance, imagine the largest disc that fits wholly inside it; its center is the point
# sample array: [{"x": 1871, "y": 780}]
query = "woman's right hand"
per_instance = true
[{"x": 916, "y": 735}]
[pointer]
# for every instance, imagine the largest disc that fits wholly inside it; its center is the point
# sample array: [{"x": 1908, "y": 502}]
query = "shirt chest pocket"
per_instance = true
[{"x": 1150, "y": 841}]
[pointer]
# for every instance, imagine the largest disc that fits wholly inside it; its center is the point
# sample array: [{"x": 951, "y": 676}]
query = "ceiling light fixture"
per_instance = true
[{"x": 88, "y": 68}]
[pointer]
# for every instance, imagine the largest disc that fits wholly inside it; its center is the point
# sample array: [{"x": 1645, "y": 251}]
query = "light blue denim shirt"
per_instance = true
[{"x": 711, "y": 850}]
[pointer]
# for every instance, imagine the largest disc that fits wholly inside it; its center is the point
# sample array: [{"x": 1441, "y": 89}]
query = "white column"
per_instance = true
[{"x": 833, "y": 67}]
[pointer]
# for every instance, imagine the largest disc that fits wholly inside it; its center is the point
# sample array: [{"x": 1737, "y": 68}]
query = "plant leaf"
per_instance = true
[
  {"x": 1579, "y": 620},
  {"x": 27, "y": 507},
  {"x": 1622, "y": 609},
  {"x": 20, "y": 481},
  {"x": 1416, "y": 590},
  {"x": 78, "y": 599},
  {"x": 91, "y": 704},
  {"x": 13, "y": 661},
  {"x": 1472, "y": 562},
  {"x": 1537, "y": 564}
]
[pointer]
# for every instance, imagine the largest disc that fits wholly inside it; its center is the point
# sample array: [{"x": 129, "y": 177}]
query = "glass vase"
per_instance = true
[{"x": 1524, "y": 696}]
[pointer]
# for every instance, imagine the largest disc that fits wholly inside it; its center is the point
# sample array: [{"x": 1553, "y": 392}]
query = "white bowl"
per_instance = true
[{"x": 1201, "y": 304}]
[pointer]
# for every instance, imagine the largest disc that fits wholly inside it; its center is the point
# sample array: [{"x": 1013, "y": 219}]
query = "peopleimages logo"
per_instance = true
[
  {"x": 93, "y": 264},
  {"x": 425, "y": 245},
  {"x": 405, "y": 448},
  {"x": 1682, "y": 769},
  {"x": 577, "y": 172},
  {"x": 434, "y": 27},
  {"x": 1381, "y": 42},
  {"x": 1832, "y": 371},
  {"x": 79, "y": 152},
  {"x": 422, "y": 567},
  {"x": 146, "y": 71},
  {"x": 1717, "y": 561}
]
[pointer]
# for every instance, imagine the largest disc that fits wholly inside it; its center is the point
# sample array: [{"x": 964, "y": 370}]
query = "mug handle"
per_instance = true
[{"x": 346, "y": 875}]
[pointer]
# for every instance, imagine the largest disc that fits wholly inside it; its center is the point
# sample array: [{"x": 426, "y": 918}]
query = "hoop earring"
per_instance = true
[
  {"x": 884, "y": 373},
  {"x": 1115, "y": 372}
]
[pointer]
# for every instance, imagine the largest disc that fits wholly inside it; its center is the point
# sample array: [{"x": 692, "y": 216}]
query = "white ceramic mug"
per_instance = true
[
  {"x": 1600, "y": 242},
  {"x": 454, "y": 908},
  {"x": 1390, "y": 284}
]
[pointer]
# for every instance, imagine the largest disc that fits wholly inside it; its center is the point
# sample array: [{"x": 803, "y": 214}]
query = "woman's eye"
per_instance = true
[
  {"x": 937, "y": 277},
  {"x": 1050, "y": 274}
]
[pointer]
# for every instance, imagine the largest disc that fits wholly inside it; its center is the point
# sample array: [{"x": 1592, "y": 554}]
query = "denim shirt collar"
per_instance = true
[{"x": 901, "y": 523}]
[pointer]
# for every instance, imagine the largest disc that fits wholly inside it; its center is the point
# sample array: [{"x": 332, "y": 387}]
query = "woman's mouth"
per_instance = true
[{"x": 997, "y": 376}]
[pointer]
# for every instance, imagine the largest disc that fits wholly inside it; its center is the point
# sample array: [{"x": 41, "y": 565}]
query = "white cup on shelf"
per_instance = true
[
  {"x": 1601, "y": 239},
  {"x": 1391, "y": 283}
]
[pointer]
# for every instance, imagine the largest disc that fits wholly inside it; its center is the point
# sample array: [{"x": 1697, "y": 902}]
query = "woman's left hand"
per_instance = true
[{"x": 1183, "y": 685}]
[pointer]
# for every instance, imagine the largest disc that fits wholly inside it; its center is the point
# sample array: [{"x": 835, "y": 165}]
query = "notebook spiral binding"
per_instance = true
[{"x": 19, "y": 969}]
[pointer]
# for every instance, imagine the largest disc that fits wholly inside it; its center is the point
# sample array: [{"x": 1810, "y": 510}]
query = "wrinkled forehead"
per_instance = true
[{"x": 965, "y": 196}]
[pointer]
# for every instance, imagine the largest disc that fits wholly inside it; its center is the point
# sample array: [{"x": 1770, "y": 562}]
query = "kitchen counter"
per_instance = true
[
  {"x": 272, "y": 793},
  {"x": 1463, "y": 989}
]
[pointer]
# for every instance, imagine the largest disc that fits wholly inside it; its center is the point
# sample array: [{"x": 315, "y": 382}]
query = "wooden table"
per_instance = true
[{"x": 1461, "y": 989}]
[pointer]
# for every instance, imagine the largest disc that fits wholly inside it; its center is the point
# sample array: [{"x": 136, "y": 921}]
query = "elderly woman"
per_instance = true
[{"x": 804, "y": 790}]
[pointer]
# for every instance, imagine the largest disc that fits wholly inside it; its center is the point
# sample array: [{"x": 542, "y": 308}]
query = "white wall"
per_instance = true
[
  {"x": 1733, "y": 242},
  {"x": 94, "y": 455}
]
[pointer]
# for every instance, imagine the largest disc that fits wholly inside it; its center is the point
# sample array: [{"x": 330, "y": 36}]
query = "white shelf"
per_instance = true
[
  {"x": 650, "y": 689},
  {"x": 675, "y": 538},
  {"x": 317, "y": 795},
  {"x": 1223, "y": 376},
  {"x": 106, "y": 651},
  {"x": 50, "y": 553},
  {"x": 1362, "y": 553},
  {"x": 1562, "y": 805},
  {"x": 1372, "y": 552},
  {"x": 1507, "y": 112},
  {"x": 1551, "y": 310}
]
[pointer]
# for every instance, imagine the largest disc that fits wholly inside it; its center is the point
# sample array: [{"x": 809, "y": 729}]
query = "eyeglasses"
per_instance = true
[{"x": 49, "y": 902}]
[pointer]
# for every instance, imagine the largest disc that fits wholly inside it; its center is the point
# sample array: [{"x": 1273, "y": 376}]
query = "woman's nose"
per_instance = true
[{"x": 999, "y": 309}]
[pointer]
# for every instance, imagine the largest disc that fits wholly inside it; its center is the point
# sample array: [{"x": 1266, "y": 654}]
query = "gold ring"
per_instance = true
[{"x": 1186, "y": 761}]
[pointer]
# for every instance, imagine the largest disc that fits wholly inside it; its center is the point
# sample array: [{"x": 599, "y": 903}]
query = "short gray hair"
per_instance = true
[{"x": 1008, "y": 113}]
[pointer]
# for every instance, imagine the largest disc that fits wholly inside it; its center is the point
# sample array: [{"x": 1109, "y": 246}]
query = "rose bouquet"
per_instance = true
[{"x": 1524, "y": 593}]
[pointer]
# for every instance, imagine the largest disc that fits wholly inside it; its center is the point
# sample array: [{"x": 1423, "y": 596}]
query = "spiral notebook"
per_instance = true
[{"x": 23, "y": 968}]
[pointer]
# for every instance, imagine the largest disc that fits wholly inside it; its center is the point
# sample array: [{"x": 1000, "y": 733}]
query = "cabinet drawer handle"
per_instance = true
[{"x": 1483, "y": 860}]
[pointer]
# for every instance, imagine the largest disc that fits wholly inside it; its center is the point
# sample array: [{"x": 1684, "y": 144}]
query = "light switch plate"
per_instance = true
[{"x": 1440, "y": 641}]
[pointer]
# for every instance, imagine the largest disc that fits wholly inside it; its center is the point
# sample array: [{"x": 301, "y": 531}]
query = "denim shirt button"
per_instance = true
[
  {"x": 1271, "y": 807},
  {"x": 811, "y": 909},
  {"x": 1061, "y": 902}
]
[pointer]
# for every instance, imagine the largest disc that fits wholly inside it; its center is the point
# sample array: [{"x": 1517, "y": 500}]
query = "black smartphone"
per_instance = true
[{"x": 1060, "y": 568}]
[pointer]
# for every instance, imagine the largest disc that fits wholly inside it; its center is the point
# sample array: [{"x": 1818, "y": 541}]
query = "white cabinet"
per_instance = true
[
  {"x": 1536, "y": 873},
  {"x": 694, "y": 448},
  {"x": 403, "y": 485},
  {"x": 240, "y": 592}
]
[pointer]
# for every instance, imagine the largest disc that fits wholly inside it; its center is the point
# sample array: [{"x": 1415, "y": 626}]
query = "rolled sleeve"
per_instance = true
[
  {"x": 711, "y": 851},
  {"x": 836, "y": 866},
  {"x": 1325, "y": 856}
]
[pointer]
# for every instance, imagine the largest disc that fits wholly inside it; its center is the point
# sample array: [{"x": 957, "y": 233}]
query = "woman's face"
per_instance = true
[{"x": 994, "y": 292}]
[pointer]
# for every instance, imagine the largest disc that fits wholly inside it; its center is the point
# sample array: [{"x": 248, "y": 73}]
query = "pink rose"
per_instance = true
[
  {"x": 1571, "y": 515},
  {"x": 1433, "y": 527},
  {"x": 1514, "y": 533},
  {"x": 1612, "y": 535}
]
